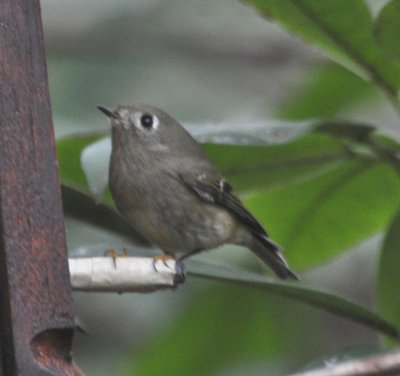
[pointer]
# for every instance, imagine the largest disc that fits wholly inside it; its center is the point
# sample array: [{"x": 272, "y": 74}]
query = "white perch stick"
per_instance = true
[
  {"x": 377, "y": 365},
  {"x": 127, "y": 274}
]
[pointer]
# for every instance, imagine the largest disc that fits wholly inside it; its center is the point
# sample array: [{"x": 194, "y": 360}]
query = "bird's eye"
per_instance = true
[{"x": 146, "y": 121}]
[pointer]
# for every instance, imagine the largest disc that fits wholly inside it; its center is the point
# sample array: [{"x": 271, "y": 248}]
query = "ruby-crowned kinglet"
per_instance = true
[{"x": 166, "y": 187}]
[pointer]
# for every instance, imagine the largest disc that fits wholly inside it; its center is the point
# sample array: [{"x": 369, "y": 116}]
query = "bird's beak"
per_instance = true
[{"x": 112, "y": 114}]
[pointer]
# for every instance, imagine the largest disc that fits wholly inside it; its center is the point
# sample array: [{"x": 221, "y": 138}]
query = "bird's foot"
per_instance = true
[
  {"x": 179, "y": 266},
  {"x": 164, "y": 258},
  {"x": 115, "y": 254}
]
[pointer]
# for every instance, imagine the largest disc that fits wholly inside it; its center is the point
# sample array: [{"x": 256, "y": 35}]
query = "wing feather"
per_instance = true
[{"x": 220, "y": 192}]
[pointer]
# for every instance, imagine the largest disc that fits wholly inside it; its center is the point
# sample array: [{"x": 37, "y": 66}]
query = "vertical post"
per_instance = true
[{"x": 36, "y": 313}]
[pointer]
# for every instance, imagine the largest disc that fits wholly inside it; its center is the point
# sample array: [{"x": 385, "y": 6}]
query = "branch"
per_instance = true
[
  {"x": 377, "y": 365},
  {"x": 125, "y": 274}
]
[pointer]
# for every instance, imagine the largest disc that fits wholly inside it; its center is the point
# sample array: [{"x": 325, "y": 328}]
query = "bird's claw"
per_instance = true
[
  {"x": 179, "y": 269},
  {"x": 115, "y": 254}
]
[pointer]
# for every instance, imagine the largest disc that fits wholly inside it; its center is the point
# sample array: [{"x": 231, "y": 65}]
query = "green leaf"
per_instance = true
[
  {"x": 388, "y": 281},
  {"x": 318, "y": 219},
  {"x": 258, "y": 168},
  {"x": 77, "y": 203},
  {"x": 387, "y": 29},
  {"x": 247, "y": 166},
  {"x": 330, "y": 25},
  {"x": 296, "y": 291},
  {"x": 69, "y": 151},
  {"x": 261, "y": 132},
  {"x": 326, "y": 91},
  {"x": 359, "y": 133},
  {"x": 94, "y": 161}
]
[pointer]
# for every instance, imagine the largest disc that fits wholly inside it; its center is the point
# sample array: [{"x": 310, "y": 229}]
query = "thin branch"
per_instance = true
[
  {"x": 125, "y": 274},
  {"x": 377, "y": 365},
  {"x": 82, "y": 206}
]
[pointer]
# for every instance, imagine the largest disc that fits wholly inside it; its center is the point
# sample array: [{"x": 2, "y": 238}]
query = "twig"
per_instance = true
[
  {"x": 377, "y": 365},
  {"x": 124, "y": 274}
]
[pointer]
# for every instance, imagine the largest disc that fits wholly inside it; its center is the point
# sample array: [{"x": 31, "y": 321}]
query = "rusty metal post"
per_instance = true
[{"x": 36, "y": 313}]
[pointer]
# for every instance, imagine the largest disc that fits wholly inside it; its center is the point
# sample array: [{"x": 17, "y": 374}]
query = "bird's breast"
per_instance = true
[{"x": 165, "y": 212}]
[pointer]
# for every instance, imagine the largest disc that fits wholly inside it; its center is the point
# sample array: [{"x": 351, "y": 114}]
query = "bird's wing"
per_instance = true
[{"x": 217, "y": 190}]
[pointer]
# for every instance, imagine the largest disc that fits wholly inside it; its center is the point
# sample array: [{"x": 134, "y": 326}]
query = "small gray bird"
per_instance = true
[{"x": 166, "y": 187}]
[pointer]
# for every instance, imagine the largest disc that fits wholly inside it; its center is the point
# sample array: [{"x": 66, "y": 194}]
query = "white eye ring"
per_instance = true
[{"x": 146, "y": 121}]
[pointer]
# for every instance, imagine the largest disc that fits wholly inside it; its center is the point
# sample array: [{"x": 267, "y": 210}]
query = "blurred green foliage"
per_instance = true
[
  {"x": 386, "y": 28},
  {"x": 328, "y": 91},
  {"x": 387, "y": 286},
  {"x": 204, "y": 339},
  {"x": 329, "y": 25}
]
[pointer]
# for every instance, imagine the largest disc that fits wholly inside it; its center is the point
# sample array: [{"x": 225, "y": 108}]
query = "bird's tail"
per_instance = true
[{"x": 270, "y": 252}]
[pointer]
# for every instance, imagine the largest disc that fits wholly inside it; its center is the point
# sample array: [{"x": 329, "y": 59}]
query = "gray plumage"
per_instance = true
[{"x": 166, "y": 187}]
